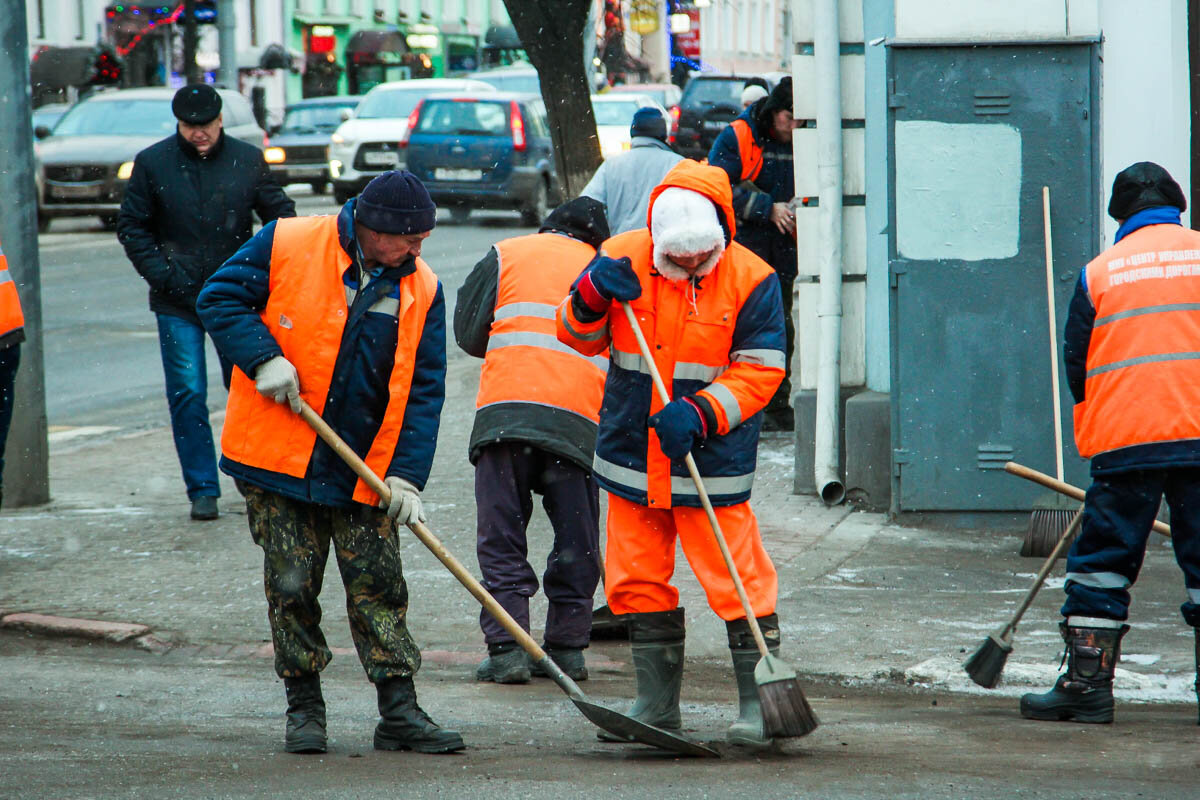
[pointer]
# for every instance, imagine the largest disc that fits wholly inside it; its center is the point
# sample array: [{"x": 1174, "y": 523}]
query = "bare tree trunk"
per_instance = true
[{"x": 551, "y": 31}]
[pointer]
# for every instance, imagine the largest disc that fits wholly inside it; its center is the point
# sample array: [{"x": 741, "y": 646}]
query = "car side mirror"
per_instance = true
[
  {"x": 346, "y": 113},
  {"x": 41, "y": 132},
  {"x": 274, "y": 130}
]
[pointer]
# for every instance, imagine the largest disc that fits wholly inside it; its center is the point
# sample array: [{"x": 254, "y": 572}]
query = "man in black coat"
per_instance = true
[{"x": 186, "y": 210}]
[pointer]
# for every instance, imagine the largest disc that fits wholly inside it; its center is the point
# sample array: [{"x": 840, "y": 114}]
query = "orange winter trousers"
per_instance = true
[{"x": 640, "y": 558}]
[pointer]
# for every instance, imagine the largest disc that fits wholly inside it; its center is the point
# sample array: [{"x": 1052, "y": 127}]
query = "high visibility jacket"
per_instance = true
[
  {"x": 12, "y": 321},
  {"x": 1142, "y": 388},
  {"x": 720, "y": 339},
  {"x": 533, "y": 387},
  {"x": 749, "y": 150},
  {"x": 307, "y": 314}
]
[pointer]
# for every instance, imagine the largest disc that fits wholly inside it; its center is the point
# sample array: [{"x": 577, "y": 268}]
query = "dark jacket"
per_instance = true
[
  {"x": 752, "y": 200},
  {"x": 231, "y": 305},
  {"x": 184, "y": 215}
]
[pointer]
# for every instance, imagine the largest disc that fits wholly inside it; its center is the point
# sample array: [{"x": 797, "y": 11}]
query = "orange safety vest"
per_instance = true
[
  {"x": 306, "y": 314},
  {"x": 11, "y": 318},
  {"x": 1143, "y": 359},
  {"x": 525, "y": 362},
  {"x": 749, "y": 151}
]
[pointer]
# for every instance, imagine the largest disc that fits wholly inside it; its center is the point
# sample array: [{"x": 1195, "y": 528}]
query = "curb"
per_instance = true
[{"x": 74, "y": 628}]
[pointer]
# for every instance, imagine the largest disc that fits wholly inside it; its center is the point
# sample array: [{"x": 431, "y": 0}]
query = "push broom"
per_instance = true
[{"x": 785, "y": 709}]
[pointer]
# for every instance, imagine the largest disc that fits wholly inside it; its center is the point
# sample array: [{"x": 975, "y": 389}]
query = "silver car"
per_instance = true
[{"x": 84, "y": 164}]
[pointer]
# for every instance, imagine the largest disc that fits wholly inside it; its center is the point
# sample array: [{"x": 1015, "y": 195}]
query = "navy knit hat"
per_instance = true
[
  {"x": 396, "y": 202},
  {"x": 196, "y": 104},
  {"x": 649, "y": 121},
  {"x": 1143, "y": 185}
]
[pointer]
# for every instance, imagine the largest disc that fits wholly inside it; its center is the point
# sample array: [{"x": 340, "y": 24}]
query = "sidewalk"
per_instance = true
[{"x": 862, "y": 601}]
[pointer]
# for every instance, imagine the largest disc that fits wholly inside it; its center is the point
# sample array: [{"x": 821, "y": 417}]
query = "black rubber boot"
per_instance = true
[
  {"x": 749, "y": 730},
  {"x": 1084, "y": 693},
  {"x": 404, "y": 726},
  {"x": 305, "y": 731},
  {"x": 506, "y": 663},
  {"x": 657, "y": 644},
  {"x": 569, "y": 660}
]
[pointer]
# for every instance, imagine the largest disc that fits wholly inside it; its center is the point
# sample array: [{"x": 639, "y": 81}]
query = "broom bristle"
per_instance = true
[
  {"x": 1046, "y": 527},
  {"x": 985, "y": 664},
  {"x": 785, "y": 710}
]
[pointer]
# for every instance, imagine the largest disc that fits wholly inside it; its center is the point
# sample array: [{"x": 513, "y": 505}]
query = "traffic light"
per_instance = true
[{"x": 106, "y": 68}]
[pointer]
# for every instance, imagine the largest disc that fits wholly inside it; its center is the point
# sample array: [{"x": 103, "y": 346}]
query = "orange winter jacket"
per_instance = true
[{"x": 12, "y": 321}]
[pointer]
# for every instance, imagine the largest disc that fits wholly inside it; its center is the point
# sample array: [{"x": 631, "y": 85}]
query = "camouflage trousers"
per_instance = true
[{"x": 295, "y": 538}]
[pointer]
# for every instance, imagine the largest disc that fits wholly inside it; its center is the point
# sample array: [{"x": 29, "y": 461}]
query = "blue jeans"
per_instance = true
[
  {"x": 10, "y": 357},
  {"x": 181, "y": 343}
]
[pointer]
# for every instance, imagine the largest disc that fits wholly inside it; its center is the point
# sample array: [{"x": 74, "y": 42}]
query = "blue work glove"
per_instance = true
[
  {"x": 679, "y": 425},
  {"x": 608, "y": 279}
]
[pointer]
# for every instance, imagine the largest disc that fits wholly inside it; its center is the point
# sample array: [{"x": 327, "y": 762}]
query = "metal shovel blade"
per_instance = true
[{"x": 629, "y": 728}]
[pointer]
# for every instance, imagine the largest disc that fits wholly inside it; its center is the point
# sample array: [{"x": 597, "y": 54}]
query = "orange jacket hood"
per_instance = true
[{"x": 712, "y": 182}]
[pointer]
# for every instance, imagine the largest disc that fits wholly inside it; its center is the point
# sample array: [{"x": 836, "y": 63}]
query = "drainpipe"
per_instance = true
[{"x": 827, "y": 64}]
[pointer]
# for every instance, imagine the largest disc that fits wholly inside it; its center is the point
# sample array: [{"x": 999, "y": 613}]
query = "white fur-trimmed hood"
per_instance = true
[{"x": 684, "y": 222}]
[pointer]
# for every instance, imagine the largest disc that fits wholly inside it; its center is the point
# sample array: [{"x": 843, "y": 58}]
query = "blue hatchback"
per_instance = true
[{"x": 483, "y": 151}]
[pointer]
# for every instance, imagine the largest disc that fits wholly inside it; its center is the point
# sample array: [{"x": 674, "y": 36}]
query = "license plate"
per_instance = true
[
  {"x": 458, "y": 174},
  {"x": 380, "y": 159},
  {"x": 709, "y": 125},
  {"x": 306, "y": 172},
  {"x": 77, "y": 192}
]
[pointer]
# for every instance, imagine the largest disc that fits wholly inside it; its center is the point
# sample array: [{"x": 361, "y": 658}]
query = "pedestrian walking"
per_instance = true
[
  {"x": 623, "y": 182},
  {"x": 712, "y": 315},
  {"x": 756, "y": 153},
  {"x": 339, "y": 311},
  {"x": 186, "y": 210},
  {"x": 534, "y": 433},
  {"x": 1132, "y": 335},
  {"x": 12, "y": 333}
]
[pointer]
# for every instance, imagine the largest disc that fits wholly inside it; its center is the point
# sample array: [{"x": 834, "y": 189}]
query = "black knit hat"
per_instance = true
[
  {"x": 396, "y": 202},
  {"x": 1143, "y": 185},
  {"x": 582, "y": 218},
  {"x": 196, "y": 104},
  {"x": 649, "y": 121},
  {"x": 779, "y": 99}
]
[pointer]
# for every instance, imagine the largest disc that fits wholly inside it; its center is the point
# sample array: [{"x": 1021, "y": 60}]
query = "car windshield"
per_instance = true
[
  {"x": 126, "y": 118},
  {"x": 657, "y": 95},
  {"x": 387, "y": 103},
  {"x": 708, "y": 91},
  {"x": 511, "y": 81},
  {"x": 313, "y": 119},
  {"x": 464, "y": 118},
  {"x": 615, "y": 113}
]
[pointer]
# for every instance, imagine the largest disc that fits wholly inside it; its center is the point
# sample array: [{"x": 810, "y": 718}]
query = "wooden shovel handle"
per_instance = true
[
  {"x": 1022, "y": 471},
  {"x": 426, "y": 536}
]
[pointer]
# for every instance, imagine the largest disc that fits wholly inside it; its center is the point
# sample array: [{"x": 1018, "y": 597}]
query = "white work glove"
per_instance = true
[
  {"x": 405, "y": 507},
  {"x": 276, "y": 378}
]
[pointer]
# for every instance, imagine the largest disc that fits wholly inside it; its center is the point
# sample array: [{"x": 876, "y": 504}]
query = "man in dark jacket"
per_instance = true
[
  {"x": 758, "y": 160},
  {"x": 186, "y": 210},
  {"x": 535, "y": 432}
]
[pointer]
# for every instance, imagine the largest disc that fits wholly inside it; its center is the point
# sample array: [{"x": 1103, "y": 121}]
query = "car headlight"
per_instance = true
[
  {"x": 337, "y": 138},
  {"x": 274, "y": 155},
  {"x": 124, "y": 171},
  {"x": 335, "y": 168}
]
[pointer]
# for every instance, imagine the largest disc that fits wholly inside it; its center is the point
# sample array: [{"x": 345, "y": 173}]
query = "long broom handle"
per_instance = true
[
  {"x": 330, "y": 437},
  {"x": 1055, "y": 400},
  {"x": 695, "y": 473},
  {"x": 1022, "y": 471},
  {"x": 1063, "y": 541}
]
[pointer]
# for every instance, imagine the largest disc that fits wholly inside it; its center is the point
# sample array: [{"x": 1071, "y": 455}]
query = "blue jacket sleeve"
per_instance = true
[
  {"x": 749, "y": 203},
  {"x": 418, "y": 437},
  {"x": 232, "y": 300},
  {"x": 1077, "y": 336}
]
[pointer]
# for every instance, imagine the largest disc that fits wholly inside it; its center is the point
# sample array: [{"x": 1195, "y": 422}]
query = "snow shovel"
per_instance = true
[{"x": 611, "y": 721}]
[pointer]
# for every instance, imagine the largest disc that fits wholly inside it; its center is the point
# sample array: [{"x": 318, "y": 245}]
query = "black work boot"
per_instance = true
[
  {"x": 404, "y": 726},
  {"x": 657, "y": 643},
  {"x": 305, "y": 731},
  {"x": 749, "y": 730},
  {"x": 569, "y": 660},
  {"x": 506, "y": 663},
  {"x": 1197, "y": 632},
  {"x": 1084, "y": 693}
]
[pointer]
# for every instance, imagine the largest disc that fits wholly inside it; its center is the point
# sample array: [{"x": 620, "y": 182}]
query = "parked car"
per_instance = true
[
  {"x": 519, "y": 77},
  {"x": 708, "y": 104},
  {"x": 665, "y": 94},
  {"x": 84, "y": 164},
  {"x": 484, "y": 151},
  {"x": 614, "y": 114},
  {"x": 47, "y": 116},
  {"x": 365, "y": 145},
  {"x": 298, "y": 148}
]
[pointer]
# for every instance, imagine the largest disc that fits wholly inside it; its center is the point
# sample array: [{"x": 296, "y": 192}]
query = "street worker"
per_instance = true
[
  {"x": 342, "y": 313},
  {"x": 756, "y": 152},
  {"x": 1132, "y": 335},
  {"x": 534, "y": 432},
  {"x": 711, "y": 312},
  {"x": 623, "y": 182},
  {"x": 12, "y": 333},
  {"x": 752, "y": 94},
  {"x": 186, "y": 210}
]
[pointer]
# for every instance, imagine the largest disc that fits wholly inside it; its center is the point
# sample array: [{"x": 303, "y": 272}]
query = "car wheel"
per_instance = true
[
  {"x": 341, "y": 196},
  {"x": 109, "y": 221},
  {"x": 460, "y": 214},
  {"x": 537, "y": 209},
  {"x": 319, "y": 187}
]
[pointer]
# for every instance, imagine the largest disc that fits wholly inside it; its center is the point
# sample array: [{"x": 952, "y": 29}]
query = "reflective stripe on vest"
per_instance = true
[
  {"x": 525, "y": 361},
  {"x": 680, "y": 484},
  {"x": 749, "y": 152},
  {"x": 306, "y": 314},
  {"x": 11, "y": 317},
  {"x": 1143, "y": 362}
]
